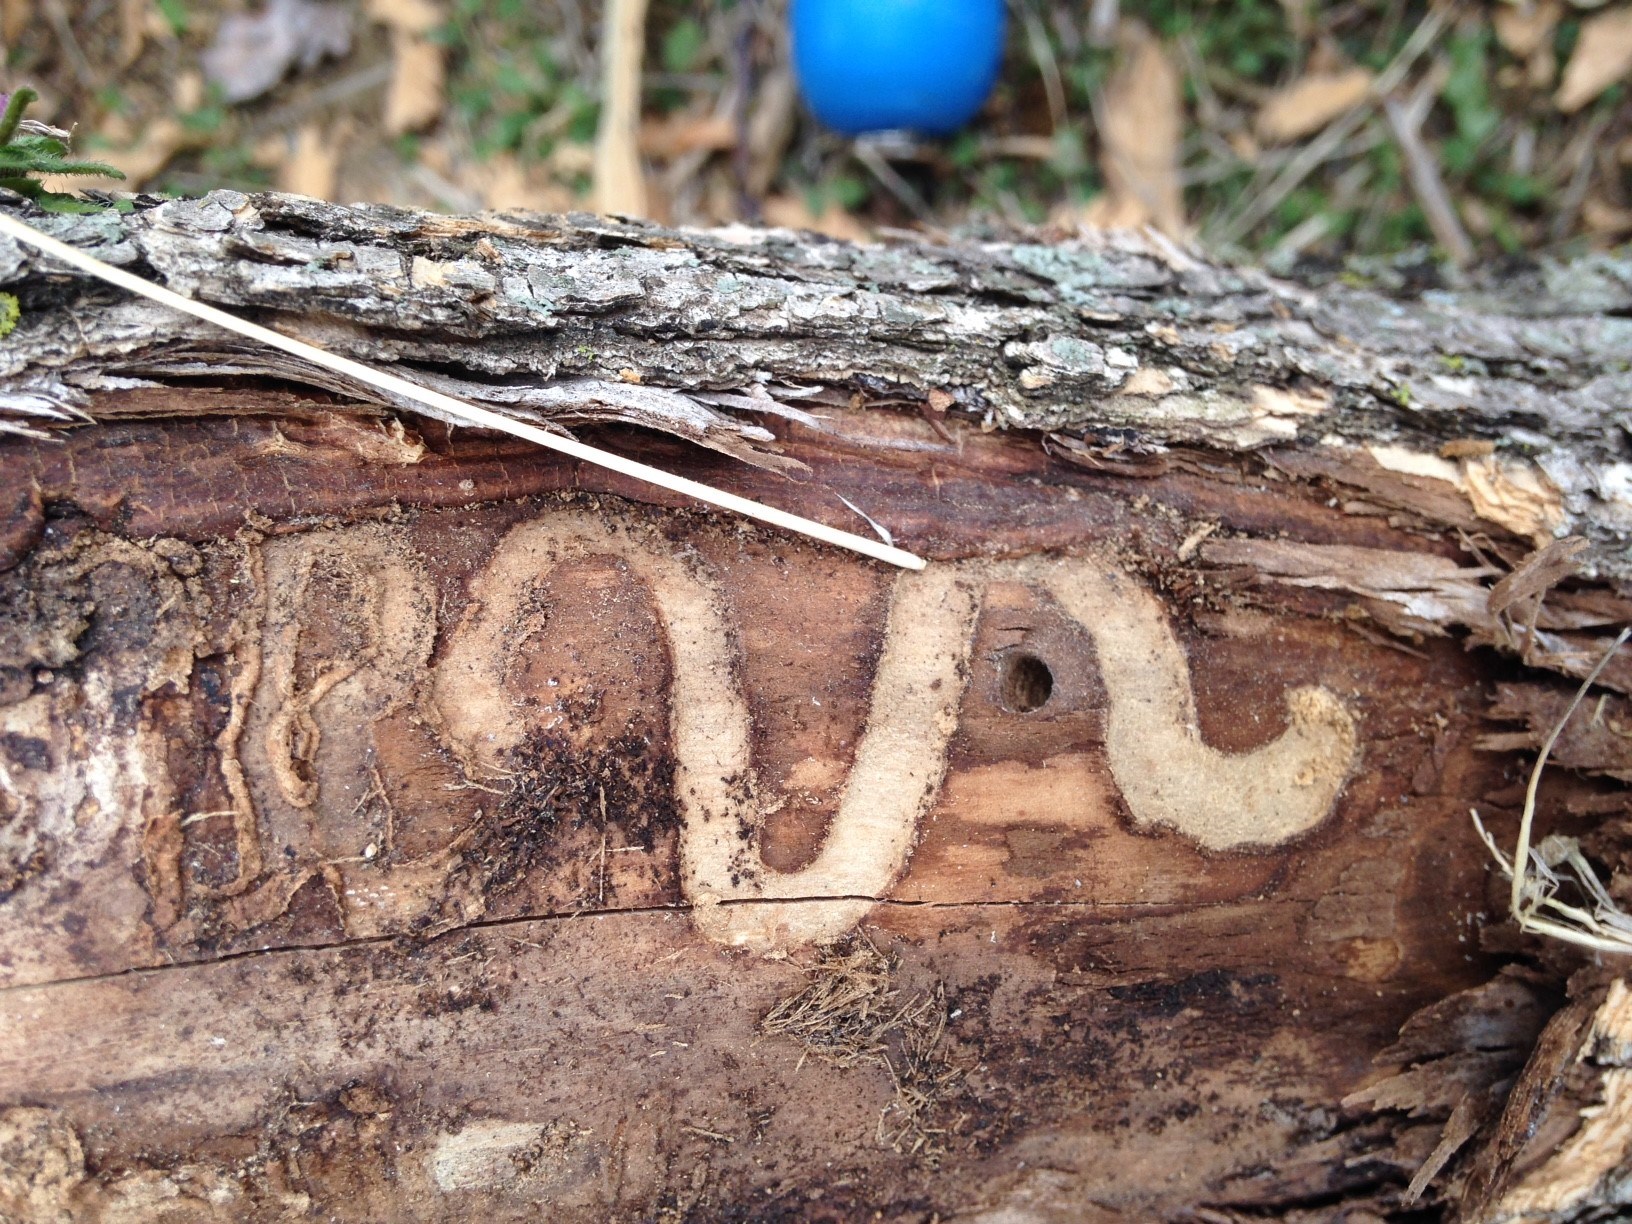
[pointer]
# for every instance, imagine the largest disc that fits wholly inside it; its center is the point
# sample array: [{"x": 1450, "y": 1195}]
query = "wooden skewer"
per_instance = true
[{"x": 452, "y": 406}]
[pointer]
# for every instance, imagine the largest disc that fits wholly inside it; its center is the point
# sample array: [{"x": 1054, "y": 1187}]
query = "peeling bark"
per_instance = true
[{"x": 1128, "y": 340}]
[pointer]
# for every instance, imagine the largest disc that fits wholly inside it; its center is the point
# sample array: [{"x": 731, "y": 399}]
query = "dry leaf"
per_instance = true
[
  {"x": 568, "y": 160},
  {"x": 1310, "y": 103},
  {"x": 161, "y": 140},
  {"x": 1140, "y": 125},
  {"x": 15, "y": 17},
  {"x": 721, "y": 202},
  {"x": 313, "y": 168},
  {"x": 1602, "y": 217},
  {"x": 1244, "y": 145},
  {"x": 133, "y": 27},
  {"x": 1523, "y": 28},
  {"x": 251, "y": 54},
  {"x": 791, "y": 212},
  {"x": 1298, "y": 18},
  {"x": 419, "y": 67},
  {"x": 506, "y": 186},
  {"x": 187, "y": 92},
  {"x": 1602, "y": 56},
  {"x": 673, "y": 135},
  {"x": 1541, "y": 69},
  {"x": 414, "y": 99}
]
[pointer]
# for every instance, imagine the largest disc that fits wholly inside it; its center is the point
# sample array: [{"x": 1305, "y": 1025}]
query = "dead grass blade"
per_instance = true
[{"x": 1538, "y": 875}]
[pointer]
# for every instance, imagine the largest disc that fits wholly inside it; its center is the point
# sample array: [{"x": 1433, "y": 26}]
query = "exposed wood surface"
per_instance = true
[{"x": 399, "y": 823}]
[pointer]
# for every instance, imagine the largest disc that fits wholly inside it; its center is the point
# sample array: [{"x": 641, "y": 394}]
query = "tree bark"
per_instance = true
[{"x": 400, "y": 822}]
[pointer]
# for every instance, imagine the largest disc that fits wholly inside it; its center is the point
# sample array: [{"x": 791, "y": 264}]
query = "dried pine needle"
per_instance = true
[{"x": 849, "y": 1014}]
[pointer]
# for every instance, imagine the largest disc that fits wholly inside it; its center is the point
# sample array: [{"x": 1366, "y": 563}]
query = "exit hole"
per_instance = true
[{"x": 1025, "y": 683}]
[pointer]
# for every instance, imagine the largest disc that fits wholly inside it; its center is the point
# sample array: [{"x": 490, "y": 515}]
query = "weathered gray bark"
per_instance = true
[
  {"x": 398, "y": 822},
  {"x": 1125, "y": 342}
]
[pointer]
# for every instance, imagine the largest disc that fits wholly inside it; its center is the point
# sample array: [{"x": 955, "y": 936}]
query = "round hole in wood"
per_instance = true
[{"x": 1025, "y": 682}]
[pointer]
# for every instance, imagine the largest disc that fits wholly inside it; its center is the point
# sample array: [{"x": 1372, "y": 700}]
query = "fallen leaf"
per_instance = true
[
  {"x": 1522, "y": 29},
  {"x": 1140, "y": 125},
  {"x": 1602, "y": 217},
  {"x": 673, "y": 135},
  {"x": 15, "y": 16},
  {"x": 187, "y": 92},
  {"x": 1297, "y": 18},
  {"x": 415, "y": 97},
  {"x": 1541, "y": 69},
  {"x": 1310, "y": 103},
  {"x": 313, "y": 168},
  {"x": 133, "y": 27},
  {"x": 1031, "y": 148},
  {"x": 1245, "y": 147},
  {"x": 569, "y": 159},
  {"x": 791, "y": 212},
  {"x": 506, "y": 186},
  {"x": 1602, "y": 56},
  {"x": 161, "y": 140},
  {"x": 720, "y": 200},
  {"x": 251, "y": 54},
  {"x": 418, "y": 75}
]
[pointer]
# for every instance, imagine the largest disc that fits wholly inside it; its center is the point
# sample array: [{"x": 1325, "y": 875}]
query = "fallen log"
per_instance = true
[{"x": 400, "y": 822}]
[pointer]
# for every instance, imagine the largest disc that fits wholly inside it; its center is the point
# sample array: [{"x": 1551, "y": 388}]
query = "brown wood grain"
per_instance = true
[{"x": 428, "y": 991}]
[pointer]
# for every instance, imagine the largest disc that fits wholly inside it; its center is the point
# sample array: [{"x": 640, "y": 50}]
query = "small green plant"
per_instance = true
[
  {"x": 10, "y": 311},
  {"x": 31, "y": 149},
  {"x": 174, "y": 13}
]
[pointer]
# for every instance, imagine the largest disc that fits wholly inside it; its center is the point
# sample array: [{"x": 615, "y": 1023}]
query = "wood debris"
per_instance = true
[
  {"x": 251, "y": 54},
  {"x": 1311, "y": 102},
  {"x": 850, "y": 1014},
  {"x": 620, "y": 179}
]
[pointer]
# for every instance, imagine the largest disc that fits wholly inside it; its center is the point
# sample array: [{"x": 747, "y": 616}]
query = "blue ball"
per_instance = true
[{"x": 878, "y": 65}]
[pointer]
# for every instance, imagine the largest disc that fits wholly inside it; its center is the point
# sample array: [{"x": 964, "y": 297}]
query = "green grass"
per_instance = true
[
  {"x": 26, "y": 157},
  {"x": 523, "y": 81},
  {"x": 507, "y": 83}
]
